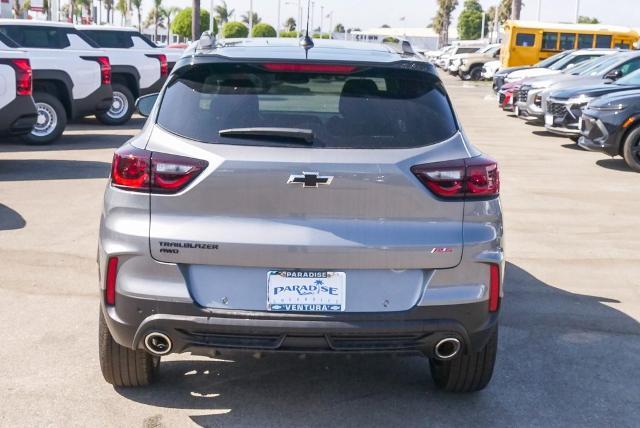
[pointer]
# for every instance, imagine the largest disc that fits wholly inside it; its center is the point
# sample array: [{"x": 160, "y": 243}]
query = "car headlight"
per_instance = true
[{"x": 607, "y": 107}]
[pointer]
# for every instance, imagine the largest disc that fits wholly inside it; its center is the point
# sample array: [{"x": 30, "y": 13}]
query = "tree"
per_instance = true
[
  {"x": 182, "y": 22},
  {"x": 263, "y": 29},
  {"x": 108, "y": 6},
  {"x": 385, "y": 26},
  {"x": 21, "y": 8},
  {"x": 122, "y": 7},
  {"x": 256, "y": 18},
  {"x": 234, "y": 29},
  {"x": 588, "y": 20},
  {"x": 470, "y": 21},
  {"x": 138, "y": 5},
  {"x": 169, "y": 13},
  {"x": 504, "y": 14},
  {"x": 516, "y": 7},
  {"x": 223, "y": 12},
  {"x": 442, "y": 20},
  {"x": 154, "y": 18},
  {"x": 290, "y": 24},
  {"x": 339, "y": 29}
]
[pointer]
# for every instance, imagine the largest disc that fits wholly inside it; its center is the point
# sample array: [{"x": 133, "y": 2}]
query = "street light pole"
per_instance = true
[
  {"x": 279, "y": 24},
  {"x": 577, "y": 11},
  {"x": 250, "y": 18},
  {"x": 539, "y": 10},
  {"x": 321, "y": 19}
]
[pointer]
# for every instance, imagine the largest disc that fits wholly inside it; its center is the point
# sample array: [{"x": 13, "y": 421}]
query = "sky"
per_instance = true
[{"x": 418, "y": 13}]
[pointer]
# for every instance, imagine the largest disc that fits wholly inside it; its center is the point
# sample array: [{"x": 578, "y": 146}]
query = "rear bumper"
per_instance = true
[
  {"x": 18, "y": 117},
  {"x": 201, "y": 331}
]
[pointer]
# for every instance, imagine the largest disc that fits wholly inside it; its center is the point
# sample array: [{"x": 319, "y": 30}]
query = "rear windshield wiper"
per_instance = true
[{"x": 289, "y": 134}]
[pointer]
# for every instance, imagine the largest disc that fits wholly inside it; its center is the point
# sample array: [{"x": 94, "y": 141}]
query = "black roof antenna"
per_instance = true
[{"x": 307, "y": 42}]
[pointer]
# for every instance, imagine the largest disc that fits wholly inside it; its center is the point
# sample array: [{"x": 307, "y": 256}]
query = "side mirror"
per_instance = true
[
  {"x": 497, "y": 54},
  {"x": 144, "y": 105},
  {"x": 613, "y": 75}
]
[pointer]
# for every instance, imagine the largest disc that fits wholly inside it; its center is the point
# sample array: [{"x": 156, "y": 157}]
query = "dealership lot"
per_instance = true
[{"x": 570, "y": 334}]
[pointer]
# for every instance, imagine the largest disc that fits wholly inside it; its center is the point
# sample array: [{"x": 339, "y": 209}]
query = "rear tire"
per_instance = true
[
  {"x": 122, "y": 107},
  {"x": 631, "y": 150},
  {"x": 122, "y": 366},
  {"x": 466, "y": 372},
  {"x": 51, "y": 122},
  {"x": 475, "y": 73}
]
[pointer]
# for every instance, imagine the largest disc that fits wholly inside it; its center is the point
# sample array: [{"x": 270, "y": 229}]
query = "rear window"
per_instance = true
[
  {"x": 110, "y": 39},
  {"x": 371, "y": 108},
  {"x": 525, "y": 39}
]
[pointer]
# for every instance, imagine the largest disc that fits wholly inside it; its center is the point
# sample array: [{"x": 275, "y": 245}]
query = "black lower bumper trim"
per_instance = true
[{"x": 18, "y": 117}]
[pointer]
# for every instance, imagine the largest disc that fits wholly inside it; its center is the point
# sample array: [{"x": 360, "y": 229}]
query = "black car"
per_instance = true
[
  {"x": 611, "y": 125},
  {"x": 564, "y": 107}
]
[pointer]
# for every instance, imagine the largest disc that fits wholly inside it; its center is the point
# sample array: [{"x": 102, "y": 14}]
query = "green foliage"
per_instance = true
[
  {"x": 588, "y": 20},
  {"x": 232, "y": 30},
  {"x": 390, "y": 40},
  {"x": 289, "y": 34},
  {"x": 321, "y": 36},
  {"x": 339, "y": 29},
  {"x": 256, "y": 18},
  {"x": 290, "y": 24},
  {"x": 182, "y": 22},
  {"x": 470, "y": 21},
  {"x": 263, "y": 30},
  {"x": 223, "y": 12},
  {"x": 441, "y": 22}
]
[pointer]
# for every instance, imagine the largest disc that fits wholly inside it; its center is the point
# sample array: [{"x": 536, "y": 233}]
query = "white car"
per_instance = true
[{"x": 490, "y": 69}]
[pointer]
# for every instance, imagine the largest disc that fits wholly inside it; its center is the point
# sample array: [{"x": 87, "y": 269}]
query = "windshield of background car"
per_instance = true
[
  {"x": 632, "y": 79},
  {"x": 551, "y": 60},
  {"x": 601, "y": 67},
  {"x": 366, "y": 108}
]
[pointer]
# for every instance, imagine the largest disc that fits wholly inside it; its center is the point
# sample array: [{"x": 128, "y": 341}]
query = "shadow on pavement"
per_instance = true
[
  {"x": 85, "y": 141},
  {"x": 544, "y": 134},
  {"x": 51, "y": 169},
  {"x": 564, "y": 359},
  {"x": 10, "y": 219},
  {"x": 616, "y": 164},
  {"x": 573, "y": 146}
]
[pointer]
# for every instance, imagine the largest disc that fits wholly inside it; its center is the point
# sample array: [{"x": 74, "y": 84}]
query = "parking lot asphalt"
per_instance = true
[{"x": 570, "y": 334}]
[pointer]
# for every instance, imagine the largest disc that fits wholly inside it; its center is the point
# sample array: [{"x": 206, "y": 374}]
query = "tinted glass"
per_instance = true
[
  {"x": 567, "y": 41},
  {"x": 602, "y": 67},
  {"x": 36, "y": 37},
  {"x": 571, "y": 60},
  {"x": 110, "y": 39},
  {"x": 549, "y": 41},
  {"x": 622, "y": 45},
  {"x": 630, "y": 66},
  {"x": 585, "y": 41},
  {"x": 143, "y": 39},
  {"x": 632, "y": 79},
  {"x": 603, "y": 41},
  {"x": 7, "y": 41},
  {"x": 551, "y": 60},
  {"x": 525, "y": 39},
  {"x": 369, "y": 109},
  {"x": 466, "y": 50}
]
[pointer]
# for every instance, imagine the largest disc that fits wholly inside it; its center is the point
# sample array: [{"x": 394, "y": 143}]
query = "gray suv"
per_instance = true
[{"x": 309, "y": 199}]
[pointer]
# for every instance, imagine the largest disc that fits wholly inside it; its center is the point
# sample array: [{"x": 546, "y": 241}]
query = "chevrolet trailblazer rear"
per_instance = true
[{"x": 305, "y": 200}]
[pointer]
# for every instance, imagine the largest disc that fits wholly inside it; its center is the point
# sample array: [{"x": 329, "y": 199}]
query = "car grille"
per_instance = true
[
  {"x": 523, "y": 94},
  {"x": 556, "y": 109}
]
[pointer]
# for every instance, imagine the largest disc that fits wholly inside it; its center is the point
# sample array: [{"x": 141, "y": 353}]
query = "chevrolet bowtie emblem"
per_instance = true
[{"x": 310, "y": 179}]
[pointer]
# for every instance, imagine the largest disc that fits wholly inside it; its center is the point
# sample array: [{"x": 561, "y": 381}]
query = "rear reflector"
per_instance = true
[
  {"x": 140, "y": 170},
  {"x": 24, "y": 76},
  {"x": 110, "y": 288},
  {"x": 310, "y": 68},
  {"x": 461, "y": 178},
  {"x": 494, "y": 287}
]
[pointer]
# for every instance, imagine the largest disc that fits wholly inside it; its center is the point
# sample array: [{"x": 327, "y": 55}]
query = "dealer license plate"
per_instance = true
[{"x": 306, "y": 291}]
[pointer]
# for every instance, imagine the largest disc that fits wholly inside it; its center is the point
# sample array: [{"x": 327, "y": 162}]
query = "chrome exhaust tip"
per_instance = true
[
  {"x": 447, "y": 348},
  {"x": 158, "y": 343}
]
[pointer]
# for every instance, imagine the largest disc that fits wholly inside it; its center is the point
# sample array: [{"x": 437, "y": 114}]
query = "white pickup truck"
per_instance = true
[
  {"x": 71, "y": 78},
  {"x": 139, "y": 67},
  {"x": 17, "y": 110}
]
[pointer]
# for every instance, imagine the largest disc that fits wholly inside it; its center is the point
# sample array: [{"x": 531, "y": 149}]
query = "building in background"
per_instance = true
[{"x": 422, "y": 39}]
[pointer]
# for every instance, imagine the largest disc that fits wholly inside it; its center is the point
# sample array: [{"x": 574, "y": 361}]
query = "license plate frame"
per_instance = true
[{"x": 306, "y": 291}]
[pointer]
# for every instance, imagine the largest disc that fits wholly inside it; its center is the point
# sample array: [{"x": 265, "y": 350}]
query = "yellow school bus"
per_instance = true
[{"x": 528, "y": 42}]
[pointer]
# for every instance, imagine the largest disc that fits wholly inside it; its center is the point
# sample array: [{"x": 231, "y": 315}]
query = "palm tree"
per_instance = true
[
  {"x": 123, "y": 7},
  {"x": 442, "y": 20},
  {"x": 246, "y": 18},
  {"x": 108, "y": 5},
  {"x": 223, "y": 12},
  {"x": 170, "y": 12},
  {"x": 515, "y": 9},
  {"x": 20, "y": 9},
  {"x": 86, "y": 4},
  {"x": 290, "y": 24},
  {"x": 138, "y": 5},
  {"x": 155, "y": 18}
]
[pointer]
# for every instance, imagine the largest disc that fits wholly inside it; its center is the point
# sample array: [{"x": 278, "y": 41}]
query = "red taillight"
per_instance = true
[
  {"x": 494, "y": 287},
  {"x": 105, "y": 70},
  {"x": 310, "y": 68},
  {"x": 110, "y": 286},
  {"x": 164, "y": 66},
  {"x": 144, "y": 171},
  {"x": 24, "y": 76},
  {"x": 472, "y": 178}
]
